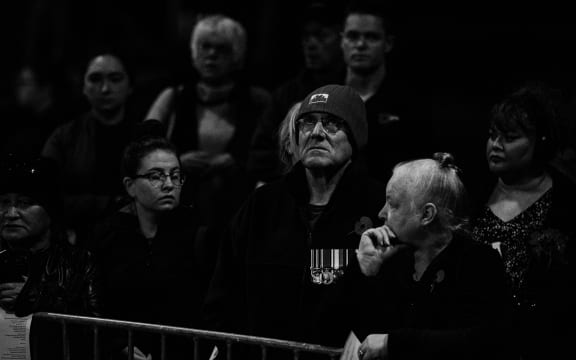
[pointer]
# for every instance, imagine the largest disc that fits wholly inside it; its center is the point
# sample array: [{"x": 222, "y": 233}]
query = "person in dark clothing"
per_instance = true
[
  {"x": 290, "y": 245},
  {"x": 39, "y": 270},
  {"x": 211, "y": 116},
  {"x": 88, "y": 149},
  {"x": 522, "y": 210},
  {"x": 439, "y": 294},
  {"x": 154, "y": 264}
]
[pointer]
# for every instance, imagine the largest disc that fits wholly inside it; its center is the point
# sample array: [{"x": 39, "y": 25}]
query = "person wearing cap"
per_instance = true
[
  {"x": 440, "y": 294},
  {"x": 320, "y": 26},
  {"x": 288, "y": 248},
  {"x": 39, "y": 269}
]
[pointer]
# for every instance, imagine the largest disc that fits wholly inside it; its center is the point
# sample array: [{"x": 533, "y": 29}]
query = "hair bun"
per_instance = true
[{"x": 446, "y": 161}]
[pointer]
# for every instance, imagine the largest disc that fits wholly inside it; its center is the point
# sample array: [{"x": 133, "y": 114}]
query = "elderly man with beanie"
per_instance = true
[
  {"x": 288, "y": 249},
  {"x": 39, "y": 269}
]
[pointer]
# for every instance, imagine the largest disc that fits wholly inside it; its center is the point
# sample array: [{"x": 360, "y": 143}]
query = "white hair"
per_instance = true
[
  {"x": 437, "y": 181},
  {"x": 227, "y": 27}
]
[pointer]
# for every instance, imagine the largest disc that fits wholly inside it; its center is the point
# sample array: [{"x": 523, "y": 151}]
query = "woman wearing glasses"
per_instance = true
[{"x": 155, "y": 267}]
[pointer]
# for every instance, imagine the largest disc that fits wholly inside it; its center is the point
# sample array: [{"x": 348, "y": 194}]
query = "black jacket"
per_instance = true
[
  {"x": 262, "y": 283},
  {"x": 61, "y": 279},
  {"x": 459, "y": 309}
]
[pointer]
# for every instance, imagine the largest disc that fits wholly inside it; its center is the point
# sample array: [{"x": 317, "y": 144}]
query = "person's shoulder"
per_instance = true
[
  {"x": 108, "y": 229},
  {"x": 64, "y": 253},
  {"x": 475, "y": 252},
  {"x": 259, "y": 95}
]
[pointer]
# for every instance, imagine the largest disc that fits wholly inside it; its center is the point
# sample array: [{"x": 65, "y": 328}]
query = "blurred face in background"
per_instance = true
[
  {"x": 321, "y": 46},
  {"x": 156, "y": 186},
  {"x": 22, "y": 220},
  {"x": 214, "y": 57},
  {"x": 365, "y": 43},
  {"x": 510, "y": 152},
  {"x": 106, "y": 83}
]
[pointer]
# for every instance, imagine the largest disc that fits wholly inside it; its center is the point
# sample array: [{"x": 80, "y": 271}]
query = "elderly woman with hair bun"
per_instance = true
[
  {"x": 211, "y": 117},
  {"x": 524, "y": 213},
  {"x": 437, "y": 293}
]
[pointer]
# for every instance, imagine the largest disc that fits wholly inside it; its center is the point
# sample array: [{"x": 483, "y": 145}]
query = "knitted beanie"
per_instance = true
[{"x": 342, "y": 102}]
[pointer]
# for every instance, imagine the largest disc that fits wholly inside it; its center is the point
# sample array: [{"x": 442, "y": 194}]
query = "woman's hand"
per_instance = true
[
  {"x": 374, "y": 249},
  {"x": 138, "y": 354},
  {"x": 9, "y": 293},
  {"x": 375, "y": 346}
]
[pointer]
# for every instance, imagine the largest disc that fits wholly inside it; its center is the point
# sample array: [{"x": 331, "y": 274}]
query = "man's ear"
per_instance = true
[
  {"x": 128, "y": 185},
  {"x": 429, "y": 212}
]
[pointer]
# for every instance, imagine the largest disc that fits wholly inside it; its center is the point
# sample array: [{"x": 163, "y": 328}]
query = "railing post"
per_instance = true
[
  {"x": 264, "y": 350},
  {"x": 196, "y": 350},
  {"x": 296, "y": 354},
  {"x": 65, "y": 342},
  {"x": 130, "y": 345},
  {"x": 96, "y": 342},
  {"x": 228, "y": 350},
  {"x": 163, "y": 347}
]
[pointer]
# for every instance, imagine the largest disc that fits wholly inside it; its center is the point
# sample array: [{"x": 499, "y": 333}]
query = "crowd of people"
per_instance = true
[{"x": 307, "y": 212}]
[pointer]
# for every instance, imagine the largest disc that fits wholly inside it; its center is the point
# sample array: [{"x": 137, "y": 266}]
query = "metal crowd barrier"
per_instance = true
[{"x": 297, "y": 348}]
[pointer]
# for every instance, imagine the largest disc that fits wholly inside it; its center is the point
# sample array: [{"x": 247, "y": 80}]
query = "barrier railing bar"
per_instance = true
[
  {"x": 173, "y": 330},
  {"x": 130, "y": 345},
  {"x": 163, "y": 347},
  {"x": 264, "y": 350},
  {"x": 65, "y": 341}
]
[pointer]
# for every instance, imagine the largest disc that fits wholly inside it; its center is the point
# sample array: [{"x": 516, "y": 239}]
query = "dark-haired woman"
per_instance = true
[
  {"x": 39, "y": 270},
  {"x": 155, "y": 267},
  {"x": 525, "y": 214}
]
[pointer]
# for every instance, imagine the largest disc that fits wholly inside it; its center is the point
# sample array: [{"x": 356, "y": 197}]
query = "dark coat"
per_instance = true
[
  {"x": 459, "y": 309},
  {"x": 262, "y": 284}
]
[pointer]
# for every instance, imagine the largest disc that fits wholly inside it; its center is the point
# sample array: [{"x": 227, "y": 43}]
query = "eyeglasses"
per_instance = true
[
  {"x": 330, "y": 124},
  {"x": 157, "y": 178}
]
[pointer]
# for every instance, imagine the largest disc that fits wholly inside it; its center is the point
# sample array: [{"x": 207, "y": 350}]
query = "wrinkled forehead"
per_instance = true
[{"x": 105, "y": 64}]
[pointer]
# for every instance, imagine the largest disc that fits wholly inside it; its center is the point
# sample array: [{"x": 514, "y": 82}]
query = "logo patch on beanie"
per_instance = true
[{"x": 318, "y": 98}]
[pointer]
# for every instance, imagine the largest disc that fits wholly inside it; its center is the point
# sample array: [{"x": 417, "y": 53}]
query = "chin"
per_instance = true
[
  {"x": 165, "y": 207},
  {"x": 315, "y": 163}
]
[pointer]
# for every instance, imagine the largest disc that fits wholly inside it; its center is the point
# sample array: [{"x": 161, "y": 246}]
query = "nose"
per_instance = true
[
  {"x": 318, "y": 130},
  {"x": 310, "y": 42},
  {"x": 105, "y": 87},
  {"x": 11, "y": 212},
  {"x": 382, "y": 214},
  {"x": 168, "y": 183},
  {"x": 361, "y": 42},
  {"x": 496, "y": 142}
]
